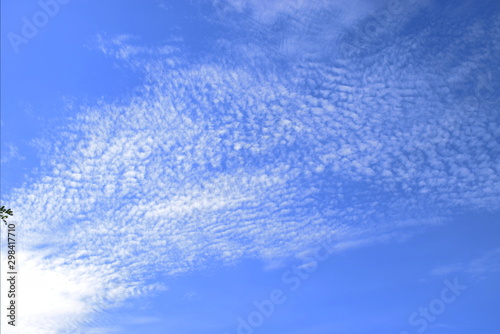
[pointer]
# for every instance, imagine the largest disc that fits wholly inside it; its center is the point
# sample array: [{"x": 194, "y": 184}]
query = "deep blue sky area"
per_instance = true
[
  {"x": 247, "y": 166},
  {"x": 368, "y": 290}
]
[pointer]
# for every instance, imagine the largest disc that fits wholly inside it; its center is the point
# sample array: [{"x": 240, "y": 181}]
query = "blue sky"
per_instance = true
[{"x": 247, "y": 166}]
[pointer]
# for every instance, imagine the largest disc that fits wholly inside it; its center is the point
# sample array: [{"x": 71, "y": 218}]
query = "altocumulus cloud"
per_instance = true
[{"x": 211, "y": 163}]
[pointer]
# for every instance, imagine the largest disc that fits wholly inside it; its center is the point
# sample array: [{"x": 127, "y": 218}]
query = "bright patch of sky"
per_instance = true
[{"x": 247, "y": 166}]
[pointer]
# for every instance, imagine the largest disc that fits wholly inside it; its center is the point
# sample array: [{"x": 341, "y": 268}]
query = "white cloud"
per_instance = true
[
  {"x": 55, "y": 295},
  {"x": 478, "y": 268},
  {"x": 11, "y": 154},
  {"x": 267, "y": 12}
]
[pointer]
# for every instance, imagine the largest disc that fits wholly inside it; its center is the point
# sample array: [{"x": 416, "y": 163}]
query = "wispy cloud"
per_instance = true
[
  {"x": 10, "y": 153},
  {"x": 477, "y": 268}
]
